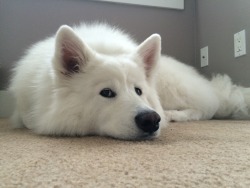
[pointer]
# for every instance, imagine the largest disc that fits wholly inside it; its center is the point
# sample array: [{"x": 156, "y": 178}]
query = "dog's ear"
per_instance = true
[
  {"x": 71, "y": 54},
  {"x": 149, "y": 51}
]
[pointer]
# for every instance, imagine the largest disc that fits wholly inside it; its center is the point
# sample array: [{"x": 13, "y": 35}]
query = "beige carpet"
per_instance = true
[{"x": 193, "y": 154}]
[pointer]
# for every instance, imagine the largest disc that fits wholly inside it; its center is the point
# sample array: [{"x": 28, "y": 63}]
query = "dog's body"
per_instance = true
[{"x": 95, "y": 79}]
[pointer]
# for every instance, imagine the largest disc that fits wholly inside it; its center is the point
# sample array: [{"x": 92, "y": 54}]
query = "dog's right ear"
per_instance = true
[{"x": 71, "y": 54}]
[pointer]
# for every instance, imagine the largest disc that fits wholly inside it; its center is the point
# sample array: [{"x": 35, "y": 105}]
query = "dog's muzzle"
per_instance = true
[{"x": 148, "y": 121}]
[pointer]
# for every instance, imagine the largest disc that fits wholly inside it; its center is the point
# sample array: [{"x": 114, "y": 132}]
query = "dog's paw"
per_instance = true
[
  {"x": 183, "y": 115},
  {"x": 174, "y": 115}
]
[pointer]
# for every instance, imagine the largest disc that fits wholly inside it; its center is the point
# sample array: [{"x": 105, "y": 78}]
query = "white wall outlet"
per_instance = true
[
  {"x": 204, "y": 56},
  {"x": 240, "y": 43}
]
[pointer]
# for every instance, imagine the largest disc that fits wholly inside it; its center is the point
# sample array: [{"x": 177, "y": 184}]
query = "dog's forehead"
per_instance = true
[
  {"x": 127, "y": 67},
  {"x": 121, "y": 69}
]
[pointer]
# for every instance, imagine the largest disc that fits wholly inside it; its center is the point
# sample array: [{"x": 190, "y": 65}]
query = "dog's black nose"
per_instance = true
[{"x": 148, "y": 121}]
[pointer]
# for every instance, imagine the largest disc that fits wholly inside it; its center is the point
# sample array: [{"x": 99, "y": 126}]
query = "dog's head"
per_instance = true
[{"x": 107, "y": 95}]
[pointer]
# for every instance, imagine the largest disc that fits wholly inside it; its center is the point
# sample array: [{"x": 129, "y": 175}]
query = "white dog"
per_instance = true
[{"x": 94, "y": 79}]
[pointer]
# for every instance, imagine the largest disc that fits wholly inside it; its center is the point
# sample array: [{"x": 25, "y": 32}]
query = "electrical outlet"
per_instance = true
[
  {"x": 204, "y": 56},
  {"x": 240, "y": 43}
]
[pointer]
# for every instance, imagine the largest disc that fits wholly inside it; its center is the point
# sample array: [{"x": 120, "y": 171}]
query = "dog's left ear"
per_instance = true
[{"x": 149, "y": 51}]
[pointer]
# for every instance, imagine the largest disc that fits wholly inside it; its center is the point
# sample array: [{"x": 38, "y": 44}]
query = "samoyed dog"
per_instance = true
[{"x": 94, "y": 79}]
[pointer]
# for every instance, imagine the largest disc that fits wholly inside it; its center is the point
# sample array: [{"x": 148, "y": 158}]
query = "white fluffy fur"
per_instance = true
[{"x": 50, "y": 99}]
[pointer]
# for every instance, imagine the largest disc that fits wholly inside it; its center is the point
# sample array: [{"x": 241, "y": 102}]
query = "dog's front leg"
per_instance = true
[{"x": 185, "y": 115}]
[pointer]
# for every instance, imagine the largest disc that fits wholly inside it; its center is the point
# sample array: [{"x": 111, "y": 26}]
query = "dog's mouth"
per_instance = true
[
  {"x": 141, "y": 137},
  {"x": 149, "y": 136}
]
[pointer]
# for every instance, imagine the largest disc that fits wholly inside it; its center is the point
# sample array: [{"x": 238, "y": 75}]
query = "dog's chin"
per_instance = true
[
  {"x": 138, "y": 137},
  {"x": 150, "y": 136}
]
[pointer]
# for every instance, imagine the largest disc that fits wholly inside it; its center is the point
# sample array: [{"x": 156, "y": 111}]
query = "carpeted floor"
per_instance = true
[{"x": 191, "y": 154}]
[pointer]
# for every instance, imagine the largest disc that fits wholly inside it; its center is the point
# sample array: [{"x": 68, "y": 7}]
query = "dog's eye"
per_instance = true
[
  {"x": 138, "y": 91},
  {"x": 108, "y": 93}
]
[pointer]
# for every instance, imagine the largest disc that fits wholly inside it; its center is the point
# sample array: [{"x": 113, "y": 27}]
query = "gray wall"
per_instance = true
[
  {"x": 27, "y": 21},
  {"x": 217, "y": 21}
]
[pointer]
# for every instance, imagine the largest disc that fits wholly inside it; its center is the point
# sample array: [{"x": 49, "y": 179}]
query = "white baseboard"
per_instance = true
[{"x": 6, "y": 104}]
